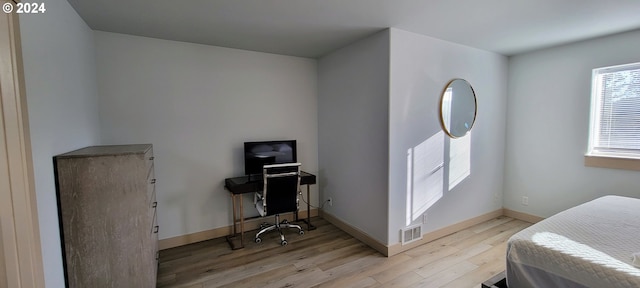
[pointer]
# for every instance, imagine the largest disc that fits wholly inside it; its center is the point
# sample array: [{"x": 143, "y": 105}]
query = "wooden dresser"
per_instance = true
[{"x": 107, "y": 213}]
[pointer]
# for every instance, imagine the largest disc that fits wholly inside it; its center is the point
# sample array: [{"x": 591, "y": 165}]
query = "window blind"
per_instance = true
[{"x": 616, "y": 115}]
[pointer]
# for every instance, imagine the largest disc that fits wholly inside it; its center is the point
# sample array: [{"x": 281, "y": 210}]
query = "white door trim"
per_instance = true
[{"x": 20, "y": 250}]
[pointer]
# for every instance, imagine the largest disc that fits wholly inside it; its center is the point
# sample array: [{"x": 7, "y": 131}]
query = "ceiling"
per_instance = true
[{"x": 312, "y": 28}]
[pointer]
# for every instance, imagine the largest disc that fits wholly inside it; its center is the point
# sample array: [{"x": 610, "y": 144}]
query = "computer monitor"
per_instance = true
[{"x": 258, "y": 154}]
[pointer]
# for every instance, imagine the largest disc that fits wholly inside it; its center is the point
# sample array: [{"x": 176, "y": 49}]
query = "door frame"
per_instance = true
[{"x": 21, "y": 262}]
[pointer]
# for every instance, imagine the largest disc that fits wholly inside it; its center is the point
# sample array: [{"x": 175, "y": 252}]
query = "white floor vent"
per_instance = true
[{"x": 411, "y": 234}]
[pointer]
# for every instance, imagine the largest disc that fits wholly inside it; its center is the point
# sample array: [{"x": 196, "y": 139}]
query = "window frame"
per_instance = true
[{"x": 607, "y": 159}]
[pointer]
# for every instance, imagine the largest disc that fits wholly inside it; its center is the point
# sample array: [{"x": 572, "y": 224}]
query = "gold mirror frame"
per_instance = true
[{"x": 466, "y": 93}]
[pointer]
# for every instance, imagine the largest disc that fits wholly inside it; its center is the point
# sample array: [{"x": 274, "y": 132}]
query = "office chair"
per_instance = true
[{"x": 280, "y": 195}]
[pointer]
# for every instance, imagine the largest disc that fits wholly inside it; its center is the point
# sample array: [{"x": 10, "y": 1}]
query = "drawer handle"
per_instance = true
[
  {"x": 154, "y": 205},
  {"x": 153, "y": 181},
  {"x": 151, "y": 158},
  {"x": 156, "y": 229}
]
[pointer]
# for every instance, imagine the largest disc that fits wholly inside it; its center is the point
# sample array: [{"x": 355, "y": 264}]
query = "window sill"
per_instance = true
[{"x": 612, "y": 162}]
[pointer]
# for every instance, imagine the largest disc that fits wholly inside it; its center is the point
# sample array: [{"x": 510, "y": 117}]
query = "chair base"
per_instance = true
[{"x": 277, "y": 226}]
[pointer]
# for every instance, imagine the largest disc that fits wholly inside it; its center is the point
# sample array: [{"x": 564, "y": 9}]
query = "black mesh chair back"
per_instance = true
[{"x": 281, "y": 192}]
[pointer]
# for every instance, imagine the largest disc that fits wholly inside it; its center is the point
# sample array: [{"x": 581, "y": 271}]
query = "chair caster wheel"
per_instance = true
[
  {"x": 283, "y": 243},
  {"x": 257, "y": 240},
  {"x": 301, "y": 232}
]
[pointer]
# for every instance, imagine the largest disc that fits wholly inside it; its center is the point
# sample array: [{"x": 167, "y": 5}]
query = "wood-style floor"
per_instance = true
[{"x": 328, "y": 257}]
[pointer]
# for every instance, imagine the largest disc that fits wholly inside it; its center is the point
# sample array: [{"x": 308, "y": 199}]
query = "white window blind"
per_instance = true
[{"x": 615, "y": 111}]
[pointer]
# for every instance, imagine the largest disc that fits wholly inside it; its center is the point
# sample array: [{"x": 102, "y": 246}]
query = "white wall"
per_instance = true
[
  {"x": 353, "y": 89},
  {"x": 197, "y": 104},
  {"x": 59, "y": 67},
  {"x": 548, "y": 126},
  {"x": 421, "y": 67}
]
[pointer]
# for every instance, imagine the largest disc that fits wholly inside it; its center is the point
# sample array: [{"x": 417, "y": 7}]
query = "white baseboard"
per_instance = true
[
  {"x": 522, "y": 216},
  {"x": 394, "y": 249},
  {"x": 249, "y": 225},
  {"x": 433, "y": 235},
  {"x": 356, "y": 233},
  {"x": 399, "y": 248}
]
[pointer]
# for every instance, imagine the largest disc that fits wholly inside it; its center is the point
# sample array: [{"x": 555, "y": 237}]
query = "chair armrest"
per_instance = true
[{"x": 256, "y": 197}]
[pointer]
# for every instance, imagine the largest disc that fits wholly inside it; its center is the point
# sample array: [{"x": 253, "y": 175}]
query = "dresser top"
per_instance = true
[{"x": 107, "y": 150}]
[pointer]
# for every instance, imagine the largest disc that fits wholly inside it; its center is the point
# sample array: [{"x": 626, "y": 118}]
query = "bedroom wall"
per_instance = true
[
  {"x": 62, "y": 99},
  {"x": 548, "y": 126},
  {"x": 421, "y": 67},
  {"x": 197, "y": 105},
  {"x": 353, "y": 89}
]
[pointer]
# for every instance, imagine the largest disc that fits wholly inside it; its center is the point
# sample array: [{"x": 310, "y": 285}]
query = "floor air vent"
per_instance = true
[{"x": 411, "y": 233}]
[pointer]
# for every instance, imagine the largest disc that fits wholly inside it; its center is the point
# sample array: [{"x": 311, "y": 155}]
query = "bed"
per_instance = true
[{"x": 590, "y": 245}]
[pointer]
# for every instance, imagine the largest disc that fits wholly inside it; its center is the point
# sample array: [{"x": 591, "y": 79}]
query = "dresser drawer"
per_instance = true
[
  {"x": 151, "y": 186},
  {"x": 150, "y": 171},
  {"x": 148, "y": 156},
  {"x": 151, "y": 189},
  {"x": 153, "y": 205},
  {"x": 154, "y": 225}
]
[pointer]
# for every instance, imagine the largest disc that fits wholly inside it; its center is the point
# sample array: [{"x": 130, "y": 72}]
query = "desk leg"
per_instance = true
[
  {"x": 308, "y": 220},
  {"x": 233, "y": 205},
  {"x": 241, "y": 222},
  {"x": 232, "y": 239}
]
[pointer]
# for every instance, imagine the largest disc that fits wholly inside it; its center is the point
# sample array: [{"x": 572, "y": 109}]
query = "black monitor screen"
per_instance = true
[{"x": 258, "y": 154}]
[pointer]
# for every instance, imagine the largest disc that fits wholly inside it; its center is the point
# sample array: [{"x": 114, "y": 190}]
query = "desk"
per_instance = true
[{"x": 241, "y": 185}]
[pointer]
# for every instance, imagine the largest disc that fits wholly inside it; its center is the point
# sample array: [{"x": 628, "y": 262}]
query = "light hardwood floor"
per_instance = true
[{"x": 328, "y": 257}]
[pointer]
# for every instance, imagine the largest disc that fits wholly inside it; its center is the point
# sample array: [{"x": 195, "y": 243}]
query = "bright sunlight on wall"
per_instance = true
[
  {"x": 459, "y": 160},
  {"x": 425, "y": 171},
  {"x": 425, "y": 175}
]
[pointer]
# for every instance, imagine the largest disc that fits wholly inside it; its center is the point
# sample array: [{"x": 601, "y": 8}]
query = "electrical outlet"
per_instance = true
[
  {"x": 525, "y": 200},
  {"x": 424, "y": 218},
  {"x": 330, "y": 200}
]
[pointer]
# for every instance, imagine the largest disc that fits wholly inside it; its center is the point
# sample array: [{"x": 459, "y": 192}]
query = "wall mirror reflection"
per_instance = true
[{"x": 458, "y": 108}]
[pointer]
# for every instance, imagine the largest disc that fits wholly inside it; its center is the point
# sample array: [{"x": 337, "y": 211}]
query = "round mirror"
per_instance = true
[{"x": 458, "y": 108}]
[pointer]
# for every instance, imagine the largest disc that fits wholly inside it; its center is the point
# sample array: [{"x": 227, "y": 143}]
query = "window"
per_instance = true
[{"x": 615, "y": 115}]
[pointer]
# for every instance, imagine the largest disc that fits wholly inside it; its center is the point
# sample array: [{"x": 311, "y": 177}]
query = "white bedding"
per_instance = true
[{"x": 590, "y": 245}]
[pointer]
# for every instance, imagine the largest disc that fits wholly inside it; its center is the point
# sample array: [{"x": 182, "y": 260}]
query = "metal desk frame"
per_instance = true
[{"x": 238, "y": 186}]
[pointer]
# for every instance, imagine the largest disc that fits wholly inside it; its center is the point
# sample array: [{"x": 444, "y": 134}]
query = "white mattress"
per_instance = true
[{"x": 590, "y": 245}]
